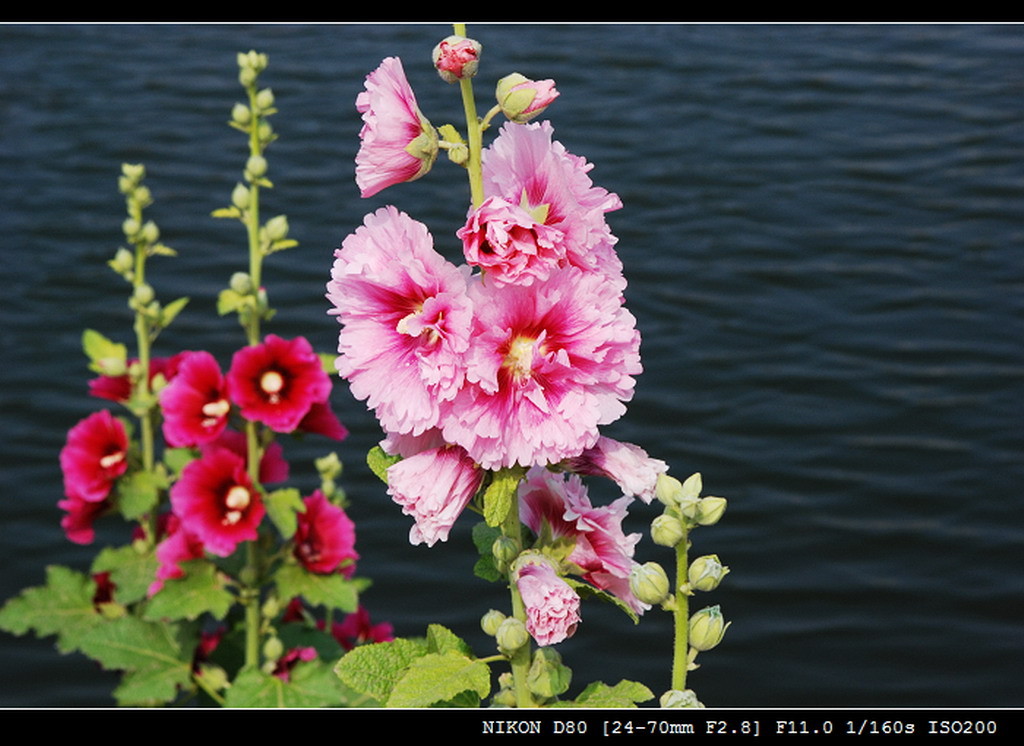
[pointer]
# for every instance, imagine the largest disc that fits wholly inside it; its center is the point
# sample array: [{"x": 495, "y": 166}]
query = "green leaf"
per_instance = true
[
  {"x": 440, "y": 677},
  {"x": 374, "y": 670},
  {"x": 379, "y": 461},
  {"x": 334, "y": 591},
  {"x": 139, "y": 492},
  {"x": 178, "y": 458},
  {"x": 229, "y": 300},
  {"x": 310, "y": 684},
  {"x": 484, "y": 537},
  {"x": 203, "y": 590},
  {"x": 171, "y": 311},
  {"x": 282, "y": 506},
  {"x": 131, "y": 571},
  {"x": 102, "y": 352},
  {"x": 281, "y": 245},
  {"x": 585, "y": 590},
  {"x": 62, "y": 607},
  {"x": 227, "y": 212},
  {"x": 624, "y": 694},
  {"x": 500, "y": 493},
  {"x": 155, "y": 661},
  {"x": 442, "y": 640}
]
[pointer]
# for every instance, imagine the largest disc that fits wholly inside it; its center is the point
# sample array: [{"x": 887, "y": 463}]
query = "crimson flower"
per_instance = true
[
  {"x": 195, "y": 404},
  {"x": 216, "y": 501},
  {"x": 96, "y": 453},
  {"x": 277, "y": 382},
  {"x": 325, "y": 537}
]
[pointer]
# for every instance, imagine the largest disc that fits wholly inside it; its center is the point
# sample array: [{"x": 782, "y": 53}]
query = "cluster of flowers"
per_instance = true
[
  {"x": 214, "y": 503},
  {"x": 512, "y": 360}
]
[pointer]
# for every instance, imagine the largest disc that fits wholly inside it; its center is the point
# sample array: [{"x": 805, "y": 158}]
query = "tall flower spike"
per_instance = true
[{"x": 398, "y": 142}]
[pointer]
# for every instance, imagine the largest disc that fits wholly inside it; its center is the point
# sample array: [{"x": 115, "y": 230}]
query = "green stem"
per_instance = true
[
  {"x": 474, "y": 134},
  {"x": 681, "y": 645},
  {"x": 142, "y": 342},
  {"x": 520, "y": 660}
]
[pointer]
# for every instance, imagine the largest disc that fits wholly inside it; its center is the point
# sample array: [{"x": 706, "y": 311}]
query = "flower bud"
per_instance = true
[
  {"x": 511, "y": 635},
  {"x": 547, "y": 676},
  {"x": 491, "y": 621},
  {"x": 273, "y": 648},
  {"x": 255, "y": 167},
  {"x": 143, "y": 294},
  {"x": 240, "y": 196},
  {"x": 150, "y": 232},
  {"x": 130, "y": 226},
  {"x": 265, "y": 99},
  {"x": 277, "y": 228},
  {"x": 457, "y": 57},
  {"x": 123, "y": 261},
  {"x": 240, "y": 114},
  {"x": 241, "y": 283},
  {"x": 505, "y": 549},
  {"x": 521, "y": 99},
  {"x": 710, "y": 510},
  {"x": 667, "y": 530},
  {"x": 707, "y": 628},
  {"x": 679, "y": 698},
  {"x": 649, "y": 583},
  {"x": 706, "y": 572}
]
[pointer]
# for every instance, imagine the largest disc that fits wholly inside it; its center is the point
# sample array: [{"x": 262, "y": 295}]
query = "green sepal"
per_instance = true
[
  {"x": 102, "y": 352},
  {"x": 227, "y": 212},
  {"x": 171, "y": 311}
]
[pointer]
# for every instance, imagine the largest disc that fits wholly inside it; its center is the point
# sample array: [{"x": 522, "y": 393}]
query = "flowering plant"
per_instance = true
[
  {"x": 492, "y": 380},
  {"x": 233, "y": 588}
]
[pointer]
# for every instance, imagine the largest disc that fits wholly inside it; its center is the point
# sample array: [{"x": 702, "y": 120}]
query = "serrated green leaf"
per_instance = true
[
  {"x": 177, "y": 458},
  {"x": 379, "y": 461},
  {"x": 334, "y": 591},
  {"x": 150, "y": 653},
  {"x": 624, "y": 694},
  {"x": 282, "y": 506},
  {"x": 373, "y": 670},
  {"x": 310, "y": 684},
  {"x": 138, "y": 493},
  {"x": 131, "y": 572},
  {"x": 440, "y": 677},
  {"x": 484, "y": 537},
  {"x": 63, "y": 607},
  {"x": 201, "y": 591},
  {"x": 440, "y": 639},
  {"x": 500, "y": 493}
]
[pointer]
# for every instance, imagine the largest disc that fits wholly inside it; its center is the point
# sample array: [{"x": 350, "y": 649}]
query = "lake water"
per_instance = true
[{"x": 822, "y": 232}]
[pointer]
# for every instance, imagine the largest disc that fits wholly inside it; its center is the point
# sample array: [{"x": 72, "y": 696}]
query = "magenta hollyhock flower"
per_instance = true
[
  {"x": 80, "y": 515},
  {"x": 320, "y": 419},
  {"x": 195, "y": 404},
  {"x": 179, "y": 545},
  {"x": 603, "y": 552},
  {"x": 325, "y": 537},
  {"x": 216, "y": 501},
  {"x": 406, "y": 321},
  {"x": 288, "y": 661},
  {"x": 273, "y": 467},
  {"x": 509, "y": 244},
  {"x": 434, "y": 487},
  {"x": 95, "y": 454},
  {"x": 277, "y": 382},
  {"x": 548, "y": 364},
  {"x": 552, "y": 607},
  {"x": 357, "y": 630},
  {"x": 628, "y": 465},
  {"x": 398, "y": 143},
  {"x": 525, "y": 167}
]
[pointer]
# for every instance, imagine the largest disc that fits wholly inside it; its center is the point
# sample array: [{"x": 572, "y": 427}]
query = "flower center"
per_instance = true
[
  {"x": 237, "y": 500},
  {"x": 271, "y": 383},
  {"x": 214, "y": 410},
  {"x": 112, "y": 459},
  {"x": 519, "y": 359}
]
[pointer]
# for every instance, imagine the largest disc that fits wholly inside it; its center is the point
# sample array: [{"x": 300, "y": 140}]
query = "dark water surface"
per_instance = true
[{"x": 822, "y": 233}]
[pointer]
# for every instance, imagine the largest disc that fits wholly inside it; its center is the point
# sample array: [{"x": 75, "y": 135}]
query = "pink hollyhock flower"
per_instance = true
[
  {"x": 398, "y": 142},
  {"x": 522, "y": 99},
  {"x": 552, "y": 607},
  {"x": 433, "y": 487},
  {"x": 277, "y": 382},
  {"x": 179, "y": 545},
  {"x": 195, "y": 404},
  {"x": 548, "y": 364},
  {"x": 457, "y": 57},
  {"x": 273, "y": 467},
  {"x": 216, "y": 501},
  {"x": 525, "y": 167},
  {"x": 628, "y": 465},
  {"x": 509, "y": 243},
  {"x": 325, "y": 537},
  {"x": 77, "y": 524},
  {"x": 96, "y": 453},
  {"x": 119, "y": 388},
  {"x": 603, "y": 552},
  {"x": 357, "y": 630},
  {"x": 405, "y": 319}
]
